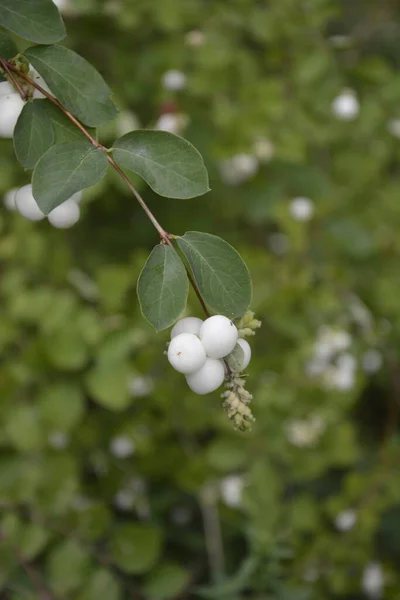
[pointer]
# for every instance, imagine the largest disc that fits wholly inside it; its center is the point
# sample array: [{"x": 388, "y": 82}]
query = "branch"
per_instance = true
[{"x": 10, "y": 68}]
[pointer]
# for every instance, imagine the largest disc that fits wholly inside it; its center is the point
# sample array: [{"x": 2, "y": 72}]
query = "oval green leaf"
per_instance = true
[
  {"x": 64, "y": 129},
  {"x": 169, "y": 164},
  {"x": 219, "y": 271},
  {"x": 35, "y": 20},
  {"x": 135, "y": 547},
  {"x": 64, "y": 170},
  {"x": 162, "y": 287},
  {"x": 75, "y": 82},
  {"x": 33, "y": 134},
  {"x": 8, "y": 49}
]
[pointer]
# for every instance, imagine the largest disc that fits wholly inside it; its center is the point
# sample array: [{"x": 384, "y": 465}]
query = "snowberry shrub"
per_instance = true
[{"x": 65, "y": 162}]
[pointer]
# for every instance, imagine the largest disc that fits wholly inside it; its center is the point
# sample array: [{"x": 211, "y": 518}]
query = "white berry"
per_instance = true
[
  {"x": 187, "y": 325},
  {"x": 27, "y": 205},
  {"x": 245, "y": 346},
  {"x": 208, "y": 378},
  {"x": 11, "y": 106},
  {"x": 346, "y": 106},
  {"x": 219, "y": 336},
  {"x": 6, "y": 88},
  {"x": 65, "y": 215},
  {"x": 186, "y": 353},
  {"x": 77, "y": 197},
  {"x": 9, "y": 199}
]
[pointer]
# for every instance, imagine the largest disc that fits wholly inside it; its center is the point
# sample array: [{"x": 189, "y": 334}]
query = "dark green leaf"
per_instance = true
[
  {"x": 169, "y": 164},
  {"x": 166, "y": 581},
  {"x": 8, "y": 49},
  {"x": 33, "y": 134},
  {"x": 64, "y": 170},
  {"x": 102, "y": 584},
  {"x": 76, "y": 84},
  {"x": 220, "y": 273},
  {"x": 162, "y": 287},
  {"x": 68, "y": 567},
  {"x": 35, "y": 20},
  {"x": 136, "y": 547},
  {"x": 64, "y": 129}
]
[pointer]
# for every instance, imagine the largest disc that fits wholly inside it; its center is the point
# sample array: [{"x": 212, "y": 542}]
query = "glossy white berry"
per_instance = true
[
  {"x": 219, "y": 336},
  {"x": 77, "y": 197},
  {"x": 245, "y": 346},
  {"x": 6, "y": 88},
  {"x": 27, "y": 205},
  {"x": 186, "y": 353},
  {"x": 11, "y": 106},
  {"x": 9, "y": 199},
  {"x": 65, "y": 215},
  {"x": 208, "y": 378},
  {"x": 187, "y": 325}
]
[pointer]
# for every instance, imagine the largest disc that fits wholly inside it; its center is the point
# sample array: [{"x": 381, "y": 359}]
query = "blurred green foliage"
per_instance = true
[{"x": 115, "y": 480}]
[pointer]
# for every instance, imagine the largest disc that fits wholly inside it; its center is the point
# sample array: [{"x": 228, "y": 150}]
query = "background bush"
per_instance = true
[{"x": 115, "y": 480}]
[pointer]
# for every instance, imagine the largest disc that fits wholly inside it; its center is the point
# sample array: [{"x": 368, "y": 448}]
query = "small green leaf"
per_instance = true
[
  {"x": 102, "y": 584},
  {"x": 166, "y": 581},
  {"x": 23, "y": 429},
  {"x": 68, "y": 567},
  {"x": 35, "y": 20},
  {"x": 33, "y": 539},
  {"x": 169, "y": 164},
  {"x": 108, "y": 386},
  {"x": 236, "y": 359},
  {"x": 75, "y": 82},
  {"x": 61, "y": 406},
  {"x": 136, "y": 547},
  {"x": 33, "y": 134},
  {"x": 64, "y": 170},
  {"x": 220, "y": 273},
  {"x": 64, "y": 129},
  {"x": 162, "y": 287}
]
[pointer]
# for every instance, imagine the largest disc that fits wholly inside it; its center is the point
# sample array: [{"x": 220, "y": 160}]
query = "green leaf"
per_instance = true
[
  {"x": 166, "y": 581},
  {"x": 169, "y": 164},
  {"x": 102, "y": 584},
  {"x": 220, "y": 273},
  {"x": 33, "y": 539},
  {"x": 8, "y": 49},
  {"x": 64, "y": 129},
  {"x": 23, "y": 428},
  {"x": 68, "y": 567},
  {"x": 33, "y": 134},
  {"x": 66, "y": 349},
  {"x": 136, "y": 547},
  {"x": 75, "y": 82},
  {"x": 108, "y": 385},
  {"x": 64, "y": 170},
  {"x": 162, "y": 287},
  {"x": 62, "y": 406},
  {"x": 35, "y": 20}
]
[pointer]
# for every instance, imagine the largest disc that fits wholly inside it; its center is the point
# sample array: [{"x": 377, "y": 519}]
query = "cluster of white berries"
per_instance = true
[
  {"x": 62, "y": 217},
  {"x": 197, "y": 350}
]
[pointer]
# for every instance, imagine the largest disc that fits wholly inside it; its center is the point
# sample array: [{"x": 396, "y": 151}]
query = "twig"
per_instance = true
[
  {"x": 212, "y": 531},
  {"x": 164, "y": 236}
]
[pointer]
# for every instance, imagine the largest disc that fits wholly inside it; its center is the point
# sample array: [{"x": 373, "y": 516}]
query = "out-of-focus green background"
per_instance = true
[{"x": 115, "y": 480}]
